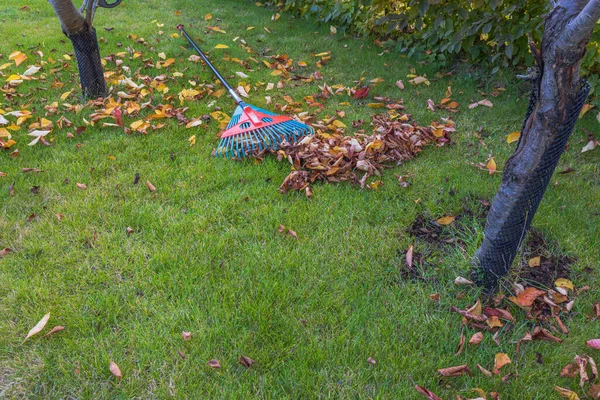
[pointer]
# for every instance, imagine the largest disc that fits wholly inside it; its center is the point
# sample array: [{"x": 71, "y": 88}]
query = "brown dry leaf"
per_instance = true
[
  {"x": 54, "y": 330},
  {"x": 435, "y": 297},
  {"x": 214, "y": 363},
  {"x": 583, "y": 376},
  {"x": 400, "y": 85},
  {"x": 485, "y": 102},
  {"x": 246, "y": 361},
  {"x": 455, "y": 371},
  {"x": 526, "y": 338},
  {"x": 542, "y": 334},
  {"x": 129, "y": 230},
  {"x": 151, "y": 187},
  {"x": 447, "y": 220},
  {"x": 81, "y": 186},
  {"x": 4, "y": 252},
  {"x": 484, "y": 371},
  {"x": 38, "y": 327},
  {"x": 468, "y": 315},
  {"x": 427, "y": 393},
  {"x": 566, "y": 393},
  {"x": 570, "y": 370},
  {"x": 535, "y": 262},
  {"x": 494, "y": 322},
  {"x": 461, "y": 343},
  {"x": 186, "y": 335},
  {"x": 371, "y": 360},
  {"x": 594, "y": 391},
  {"x": 528, "y": 296},
  {"x": 409, "y": 256},
  {"x": 500, "y": 361},
  {"x": 594, "y": 344},
  {"x": 476, "y": 338},
  {"x": 115, "y": 370},
  {"x": 292, "y": 233}
]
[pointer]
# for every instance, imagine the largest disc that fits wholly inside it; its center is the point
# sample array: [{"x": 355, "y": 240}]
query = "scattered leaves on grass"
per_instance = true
[
  {"x": 186, "y": 335},
  {"x": 476, "y": 338},
  {"x": 528, "y": 296},
  {"x": 427, "y": 393},
  {"x": 214, "y": 363},
  {"x": 115, "y": 370},
  {"x": 246, "y": 361},
  {"x": 542, "y": 334},
  {"x": 57, "y": 328},
  {"x": 38, "y": 327},
  {"x": 484, "y": 371}
]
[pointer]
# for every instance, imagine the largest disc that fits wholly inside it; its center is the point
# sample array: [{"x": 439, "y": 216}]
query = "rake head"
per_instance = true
[{"x": 252, "y": 130}]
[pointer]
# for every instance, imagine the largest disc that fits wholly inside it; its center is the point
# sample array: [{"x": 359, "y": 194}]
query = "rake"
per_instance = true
[{"x": 251, "y": 129}]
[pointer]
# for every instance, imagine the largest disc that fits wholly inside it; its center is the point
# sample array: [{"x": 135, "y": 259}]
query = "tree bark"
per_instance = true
[
  {"x": 85, "y": 43},
  {"x": 558, "y": 95}
]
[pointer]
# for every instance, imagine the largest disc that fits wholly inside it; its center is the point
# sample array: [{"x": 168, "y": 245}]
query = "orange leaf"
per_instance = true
[
  {"x": 115, "y": 370},
  {"x": 447, "y": 220},
  {"x": 528, "y": 296},
  {"x": 500, "y": 361},
  {"x": 491, "y": 165}
]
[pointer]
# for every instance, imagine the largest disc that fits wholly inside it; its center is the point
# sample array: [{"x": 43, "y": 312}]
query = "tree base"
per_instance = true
[{"x": 89, "y": 64}]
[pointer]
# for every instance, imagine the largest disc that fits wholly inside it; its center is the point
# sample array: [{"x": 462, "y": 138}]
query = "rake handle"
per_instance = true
[{"x": 231, "y": 90}]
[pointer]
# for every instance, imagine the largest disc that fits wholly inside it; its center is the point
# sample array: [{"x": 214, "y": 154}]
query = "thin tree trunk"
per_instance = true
[
  {"x": 85, "y": 43},
  {"x": 557, "y": 98}
]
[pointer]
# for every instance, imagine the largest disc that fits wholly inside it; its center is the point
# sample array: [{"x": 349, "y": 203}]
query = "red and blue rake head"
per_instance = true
[{"x": 252, "y": 130}]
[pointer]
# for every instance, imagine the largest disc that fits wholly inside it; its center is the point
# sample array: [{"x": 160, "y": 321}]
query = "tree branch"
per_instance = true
[{"x": 581, "y": 26}]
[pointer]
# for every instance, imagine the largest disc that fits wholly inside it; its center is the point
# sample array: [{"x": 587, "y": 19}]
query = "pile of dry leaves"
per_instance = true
[{"x": 336, "y": 157}]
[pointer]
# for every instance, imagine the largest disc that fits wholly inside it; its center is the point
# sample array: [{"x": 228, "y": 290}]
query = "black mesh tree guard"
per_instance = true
[
  {"x": 89, "y": 63},
  {"x": 515, "y": 204}
]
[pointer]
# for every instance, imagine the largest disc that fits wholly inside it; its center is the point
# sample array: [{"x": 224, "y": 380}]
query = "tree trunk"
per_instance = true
[
  {"x": 85, "y": 43},
  {"x": 558, "y": 95}
]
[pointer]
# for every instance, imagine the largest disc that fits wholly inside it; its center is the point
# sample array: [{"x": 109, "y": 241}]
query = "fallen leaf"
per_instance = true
[
  {"x": 542, "y": 334},
  {"x": 292, "y": 233},
  {"x": 115, "y": 370},
  {"x": 566, "y": 393},
  {"x": 54, "y": 330},
  {"x": 400, "y": 85},
  {"x": 491, "y": 166},
  {"x": 484, "y": 371},
  {"x": 585, "y": 109},
  {"x": 590, "y": 146},
  {"x": 447, "y": 220},
  {"x": 570, "y": 370},
  {"x": 535, "y": 262},
  {"x": 221, "y": 46},
  {"x": 214, "y": 363},
  {"x": 362, "y": 92},
  {"x": 594, "y": 344},
  {"x": 372, "y": 361},
  {"x": 81, "y": 186},
  {"x": 476, "y": 338},
  {"x": 513, "y": 137},
  {"x": 500, "y": 361},
  {"x": 486, "y": 103},
  {"x": 418, "y": 80},
  {"x": 528, "y": 296},
  {"x": 186, "y": 335},
  {"x": 246, "y": 361},
  {"x": 564, "y": 283},
  {"x": 435, "y": 297},
  {"x": 38, "y": 327},
  {"x": 594, "y": 391},
  {"x": 459, "y": 280},
  {"x": 4, "y": 252},
  {"x": 455, "y": 371},
  {"x": 409, "y": 256},
  {"x": 151, "y": 187},
  {"x": 427, "y": 393}
]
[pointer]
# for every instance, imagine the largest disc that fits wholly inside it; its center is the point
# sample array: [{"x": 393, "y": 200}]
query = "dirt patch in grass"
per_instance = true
[{"x": 554, "y": 263}]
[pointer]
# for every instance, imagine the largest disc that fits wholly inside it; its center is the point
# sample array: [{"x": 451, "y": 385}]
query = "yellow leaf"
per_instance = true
[
  {"x": 65, "y": 95},
  {"x": 249, "y": 28},
  {"x": 324, "y": 54},
  {"x": 491, "y": 165},
  {"x": 513, "y": 137},
  {"x": 17, "y": 57},
  {"x": 192, "y": 140},
  {"x": 221, "y": 117},
  {"x": 339, "y": 124},
  {"x": 221, "y": 46},
  {"x": 4, "y": 133},
  {"x": 418, "y": 80},
  {"x": 168, "y": 62},
  {"x": 139, "y": 125},
  {"x": 534, "y": 262},
  {"x": 302, "y": 63},
  {"x": 67, "y": 57},
  {"x": 208, "y": 17},
  {"x": 439, "y": 132},
  {"x": 162, "y": 55},
  {"x": 4, "y": 66},
  {"x": 447, "y": 220},
  {"x": 277, "y": 72},
  {"x": 564, "y": 283},
  {"x": 585, "y": 109},
  {"x": 376, "y": 105},
  {"x": 174, "y": 35},
  {"x": 13, "y": 77},
  {"x": 566, "y": 393}
]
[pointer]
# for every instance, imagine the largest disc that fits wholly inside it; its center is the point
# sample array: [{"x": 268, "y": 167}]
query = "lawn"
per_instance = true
[{"x": 205, "y": 255}]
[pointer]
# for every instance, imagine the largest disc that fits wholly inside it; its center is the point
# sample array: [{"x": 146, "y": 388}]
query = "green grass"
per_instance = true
[{"x": 206, "y": 257}]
